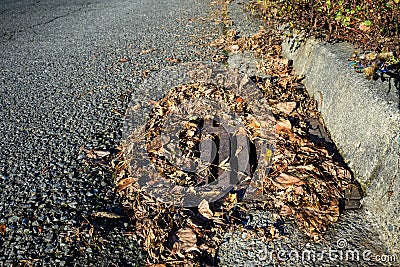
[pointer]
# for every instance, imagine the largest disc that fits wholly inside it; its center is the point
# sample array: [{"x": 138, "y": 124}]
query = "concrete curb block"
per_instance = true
[{"x": 364, "y": 122}]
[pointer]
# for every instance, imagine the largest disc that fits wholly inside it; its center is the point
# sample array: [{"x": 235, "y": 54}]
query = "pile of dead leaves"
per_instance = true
[{"x": 306, "y": 182}]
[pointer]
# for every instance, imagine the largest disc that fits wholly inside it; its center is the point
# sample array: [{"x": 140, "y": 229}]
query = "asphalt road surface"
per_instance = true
[{"x": 62, "y": 87}]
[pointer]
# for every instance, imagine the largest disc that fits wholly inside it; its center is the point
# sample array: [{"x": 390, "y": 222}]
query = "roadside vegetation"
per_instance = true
[{"x": 371, "y": 25}]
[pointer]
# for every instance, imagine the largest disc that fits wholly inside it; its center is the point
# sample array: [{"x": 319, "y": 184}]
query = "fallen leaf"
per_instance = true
[
  {"x": 286, "y": 107},
  {"x": 254, "y": 124},
  {"x": 286, "y": 210},
  {"x": 118, "y": 112},
  {"x": 371, "y": 56},
  {"x": 274, "y": 232},
  {"x": 96, "y": 154},
  {"x": 364, "y": 27},
  {"x": 298, "y": 190},
  {"x": 308, "y": 167},
  {"x": 218, "y": 42},
  {"x": 204, "y": 209},
  {"x": 234, "y": 48},
  {"x": 370, "y": 71},
  {"x": 3, "y": 228},
  {"x": 124, "y": 183},
  {"x": 187, "y": 239},
  {"x": 239, "y": 100},
  {"x": 283, "y": 126},
  {"x": 108, "y": 215},
  {"x": 145, "y": 73},
  {"x": 147, "y": 51},
  {"x": 384, "y": 56},
  {"x": 288, "y": 180},
  {"x": 155, "y": 144},
  {"x": 123, "y": 60},
  {"x": 173, "y": 60}
]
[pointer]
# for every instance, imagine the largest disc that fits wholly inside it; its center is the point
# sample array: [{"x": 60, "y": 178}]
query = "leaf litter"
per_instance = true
[{"x": 306, "y": 184}]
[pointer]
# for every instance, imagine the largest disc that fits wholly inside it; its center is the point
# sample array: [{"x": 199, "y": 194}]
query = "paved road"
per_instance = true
[{"x": 60, "y": 82}]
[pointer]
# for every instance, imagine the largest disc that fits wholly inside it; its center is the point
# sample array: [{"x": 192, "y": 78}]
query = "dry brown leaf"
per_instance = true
[
  {"x": 145, "y": 73},
  {"x": 309, "y": 167},
  {"x": 118, "y": 112},
  {"x": 3, "y": 229},
  {"x": 123, "y": 60},
  {"x": 234, "y": 48},
  {"x": 307, "y": 149},
  {"x": 204, "y": 209},
  {"x": 124, "y": 183},
  {"x": 286, "y": 210},
  {"x": 364, "y": 27},
  {"x": 154, "y": 145},
  {"x": 274, "y": 232},
  {"x": 298, "y": 190},
  {"x": 254, "y": 125},
  {"x": 288, "y": 180},
  {"x": 286, "y": 107},
  {"x": 230, "y": 201},
  {"x": 283, "y": 126},
  {"x": 173, "y": 60},
  {"x": 108, "y": 215},
  {"x": 218, "y": 42},
  {"x": 96, "y": 154},
  {"x": 147, "y": 51},
  {"x": 187, "y": 239}
]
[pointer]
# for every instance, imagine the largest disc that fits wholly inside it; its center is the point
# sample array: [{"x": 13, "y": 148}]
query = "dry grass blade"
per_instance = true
[{"x": 108, "y": 215}]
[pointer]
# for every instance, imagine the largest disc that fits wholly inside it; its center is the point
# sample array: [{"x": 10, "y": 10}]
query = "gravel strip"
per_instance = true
[{"x": 62, "y": 88}]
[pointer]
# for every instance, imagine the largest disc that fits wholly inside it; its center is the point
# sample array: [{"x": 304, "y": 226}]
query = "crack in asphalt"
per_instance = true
[
  {"x": 10, "y": 35},
  {"x": 51, "y": 20}
]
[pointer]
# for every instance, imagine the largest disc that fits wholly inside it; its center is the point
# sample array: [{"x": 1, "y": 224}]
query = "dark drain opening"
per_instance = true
[
  {"x": 215, "y": 170},
  {"x": 253, "y": 161},
  {"x": 223, "y": 150}
]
